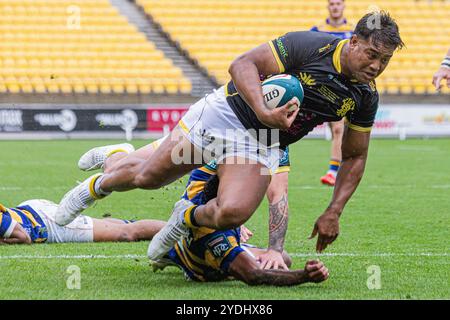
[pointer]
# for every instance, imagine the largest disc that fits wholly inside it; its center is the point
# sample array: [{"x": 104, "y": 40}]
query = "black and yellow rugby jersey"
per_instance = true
[{"x": 314, "y": 58}]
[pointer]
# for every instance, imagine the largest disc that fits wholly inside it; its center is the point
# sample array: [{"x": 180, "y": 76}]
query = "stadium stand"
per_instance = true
[
  {"x": 79, "y": 46},
  {"x": 215, "y": 32}
]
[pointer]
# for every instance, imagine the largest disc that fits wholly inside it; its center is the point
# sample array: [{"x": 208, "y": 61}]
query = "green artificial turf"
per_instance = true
[{"x": 398, "y": 220}]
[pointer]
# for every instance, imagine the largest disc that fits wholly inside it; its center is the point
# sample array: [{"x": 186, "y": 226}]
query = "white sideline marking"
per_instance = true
[
  {"x": 423, "y": 254},
  {"x": 137, "y": 256},
  {"x": 10, "y": 188},
  {"x": 374, "y": 186}
]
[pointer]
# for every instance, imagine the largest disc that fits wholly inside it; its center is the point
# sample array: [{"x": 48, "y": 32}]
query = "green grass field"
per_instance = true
[{"x": 398, "y": 220}]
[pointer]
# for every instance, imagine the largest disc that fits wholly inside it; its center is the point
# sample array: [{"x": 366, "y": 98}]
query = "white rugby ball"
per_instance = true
[{"x": 281, "y": 88}]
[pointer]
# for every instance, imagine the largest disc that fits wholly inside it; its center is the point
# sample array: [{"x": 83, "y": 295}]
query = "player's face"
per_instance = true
[
  {"x": 336, "y": 8},
  {"x": 366, "y": 60}
]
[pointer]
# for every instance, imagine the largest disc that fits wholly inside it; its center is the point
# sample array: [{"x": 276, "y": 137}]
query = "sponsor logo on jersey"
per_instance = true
[
  {"x": 327, "y": 47},
  {"x": 348, "y": 104},
  {"x": 283, "y": 51},
  {"x": 307, "y": 79},
  {"x": 219, "y": 246},
  {"x": 339, "y": 83},
  {"x": 328, "y": 94}
]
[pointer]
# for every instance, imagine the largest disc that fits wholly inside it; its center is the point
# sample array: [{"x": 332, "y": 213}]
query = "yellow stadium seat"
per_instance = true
[
  {"x": 215, "y": 32},
  {"x": 38, "y": 40}
]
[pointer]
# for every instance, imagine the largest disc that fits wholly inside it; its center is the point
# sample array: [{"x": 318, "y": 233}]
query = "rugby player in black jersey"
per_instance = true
[{"x": 233, "y": 126}]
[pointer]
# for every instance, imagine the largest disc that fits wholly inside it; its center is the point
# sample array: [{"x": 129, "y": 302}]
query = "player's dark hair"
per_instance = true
[
  {"x": 380, "y": 28},
  {"x": 211, "y": 187}
]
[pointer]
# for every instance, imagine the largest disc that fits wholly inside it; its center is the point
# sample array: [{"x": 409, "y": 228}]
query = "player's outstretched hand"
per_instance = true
[
  {"x": 327, "y": 226},
  {"x": 441, "y": 74},
  {"x": 316, "y": 271},
  {"x": 282, "y": 117},
  {"x": 246, "y": 234},
  {"x": 272, "y": 259}
]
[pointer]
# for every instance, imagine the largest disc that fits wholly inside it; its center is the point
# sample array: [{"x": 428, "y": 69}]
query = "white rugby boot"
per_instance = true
[
  {"x": 161, "y": 264},
  {"x": 76, "y": 200},
  {"x": 174, "y": 230},
  {"x": 95, "y": 158}
]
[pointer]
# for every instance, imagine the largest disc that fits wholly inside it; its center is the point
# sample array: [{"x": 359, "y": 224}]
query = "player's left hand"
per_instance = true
[
  {"x": 327, "y": 226},
  {"x": 272, "y": 259},
  {"x": 441, "y": 74},
  {"x": 246, "y": 234}
]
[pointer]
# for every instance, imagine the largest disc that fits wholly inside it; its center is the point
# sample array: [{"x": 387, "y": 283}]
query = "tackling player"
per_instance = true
[
  {"x": 234, "y": 126},
  {"x": 212, "y": 255},
  {"x": 33, "y": 221},
  {"x": 337, "y": 25}
]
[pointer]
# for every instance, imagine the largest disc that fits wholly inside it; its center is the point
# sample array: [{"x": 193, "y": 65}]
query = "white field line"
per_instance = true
[
  {"x": 135, "y": 256},
  {"x": 407, "y": 186}
]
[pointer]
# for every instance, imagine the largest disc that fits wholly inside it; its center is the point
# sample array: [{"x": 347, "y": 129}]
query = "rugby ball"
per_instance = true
[{"x": 281, "y": 88}]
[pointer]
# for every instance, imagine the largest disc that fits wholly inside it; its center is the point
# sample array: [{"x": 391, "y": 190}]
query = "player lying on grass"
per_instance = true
[
  {"x": 33, "y": 221},
  {"x": 108, "y": 158},
  {"x": 214, "y": 255}
]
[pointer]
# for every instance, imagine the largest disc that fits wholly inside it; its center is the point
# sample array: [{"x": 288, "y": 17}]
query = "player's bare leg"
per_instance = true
[
  {"x": 106, "y": 230},
  {"x": 337, "y": 131},
  {"x": 160, "y": 169},
  {"x": 175, "y": 157},
  {"x": 143, "y": 153},
  {"x": 242, "y": 188},
  {"x": 95, "y": 158}
]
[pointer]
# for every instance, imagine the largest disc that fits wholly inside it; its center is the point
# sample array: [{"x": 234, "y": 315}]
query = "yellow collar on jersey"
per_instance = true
[{"x": 337, "y": 55}]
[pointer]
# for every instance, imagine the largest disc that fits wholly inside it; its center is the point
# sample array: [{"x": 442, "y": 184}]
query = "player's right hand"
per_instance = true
[
  {"x": 441, "y": 74},
  {"x": 272, "y": 259},
  {"x": 316, "y": 271},
  {"x": 281, "y": 117}
]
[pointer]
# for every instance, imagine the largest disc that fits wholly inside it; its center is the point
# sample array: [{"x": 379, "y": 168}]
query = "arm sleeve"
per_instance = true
[
  {"x": 296, "y": 49},
  {"x": 6, "y": 226},
  {"x": 363, "y": 119}
]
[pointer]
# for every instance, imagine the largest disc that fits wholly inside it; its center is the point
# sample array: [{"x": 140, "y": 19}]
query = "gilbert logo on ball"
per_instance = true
[{"x": 279, "y": 89}]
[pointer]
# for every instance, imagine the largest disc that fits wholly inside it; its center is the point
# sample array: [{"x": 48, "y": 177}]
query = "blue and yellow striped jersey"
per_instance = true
[
  {"x": 206, "y": 254},
  {"x": 27, "y": 218},
  {"x": 343, "y": 31},
  {"x": 197, "y": 181}
]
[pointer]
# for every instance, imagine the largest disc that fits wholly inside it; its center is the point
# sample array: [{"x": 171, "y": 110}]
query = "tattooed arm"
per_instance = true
[{"x": 278, "y": 223}]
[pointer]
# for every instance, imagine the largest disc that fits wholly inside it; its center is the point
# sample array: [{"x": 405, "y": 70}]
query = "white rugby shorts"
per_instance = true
[
  {"x": 211, "y": 125},
  {"x": 79, "y": 230}
]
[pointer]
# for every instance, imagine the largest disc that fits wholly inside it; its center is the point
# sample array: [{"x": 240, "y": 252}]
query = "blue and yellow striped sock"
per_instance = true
[
  {"x": 334, "y": 166},
  {"x": 189, "y": 217}
]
